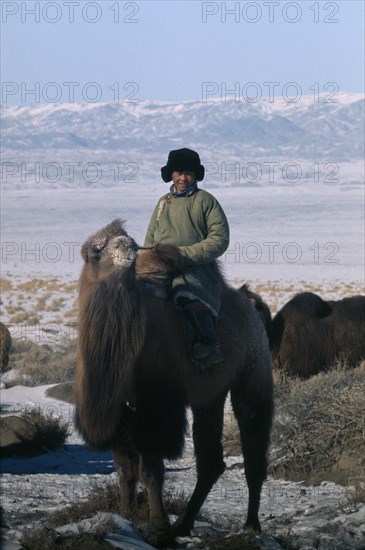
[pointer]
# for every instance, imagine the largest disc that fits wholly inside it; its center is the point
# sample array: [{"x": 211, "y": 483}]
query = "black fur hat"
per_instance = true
[{"x": 183, "y": 160}]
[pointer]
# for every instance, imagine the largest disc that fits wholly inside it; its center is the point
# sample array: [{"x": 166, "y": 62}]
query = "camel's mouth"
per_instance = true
[{"x": 123, "y": 251}]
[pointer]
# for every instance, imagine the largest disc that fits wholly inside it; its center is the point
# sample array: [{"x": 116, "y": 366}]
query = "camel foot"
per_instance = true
[
  {"x": 181, "y": 527},
  {"x": 253, "y": 525}
]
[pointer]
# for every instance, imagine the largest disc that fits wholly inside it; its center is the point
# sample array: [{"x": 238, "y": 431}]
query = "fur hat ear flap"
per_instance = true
[
  {"x": 182, "y": 160},
  {"x": 166, "y": 174}
]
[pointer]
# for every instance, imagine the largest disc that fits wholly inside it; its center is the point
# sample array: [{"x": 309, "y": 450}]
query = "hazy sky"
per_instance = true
[{"x": 90, "y": 51}]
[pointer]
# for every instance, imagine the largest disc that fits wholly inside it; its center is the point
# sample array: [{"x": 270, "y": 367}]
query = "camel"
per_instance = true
[
  {"x": 308, "y": 334},
  {"x": 135, "y": 378},
  {"x": 5, "y": 345},
  {"x": 260, "y": 306}
]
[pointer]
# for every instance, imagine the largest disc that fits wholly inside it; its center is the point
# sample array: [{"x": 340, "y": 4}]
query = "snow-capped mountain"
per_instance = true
[{"x": 224, "y": 132}]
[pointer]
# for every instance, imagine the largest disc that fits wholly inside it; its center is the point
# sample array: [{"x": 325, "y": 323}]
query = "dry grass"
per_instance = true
[
  {"x": 71, "y": 314},
  {"x": 276, "y": 293},
  {"x": 42, "y": 302},
  {"x": 32, "y": 285},
  {"x": 247, "y": 541},
  {"x": 5, "y": 285},
  {"x": 50, "y": 539},
  {"x": 12, "y": 310},
  {"x": 319, "y": 429},
  {"x": 103, "y": 497},
  {"x": 244, "y": 541},
  {"x": 37, "y": 364},
  {"x": 28, "y": 302},
  {"x": 49, "y": 432},
  {"x": 357, "y": 495},
  {"x": 56, "y": 305},
  {"x": 33, "y": 434},
  {"x": 24, "y": 317}
]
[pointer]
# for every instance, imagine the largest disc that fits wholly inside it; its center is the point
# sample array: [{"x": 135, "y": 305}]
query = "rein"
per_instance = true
[{"x": 160, "y": 273}]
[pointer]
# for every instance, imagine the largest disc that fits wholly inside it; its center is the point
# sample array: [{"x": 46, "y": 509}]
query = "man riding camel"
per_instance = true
[{"x": 192, "y": 219}]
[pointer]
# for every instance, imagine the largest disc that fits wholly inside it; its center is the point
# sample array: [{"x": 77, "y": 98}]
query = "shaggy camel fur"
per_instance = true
[
  {"x": 135, "y": 378},
  {"x": 260, "y": 306},
  {"x": 5, "y": 345},
  {"x": 309, "y": 335}
]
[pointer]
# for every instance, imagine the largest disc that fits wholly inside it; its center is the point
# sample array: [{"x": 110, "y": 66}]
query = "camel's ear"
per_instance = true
[
  {"x": 93, "y": 249},
  {"x": 116, "y": 228},
  {"x": 84, "y": 255}
]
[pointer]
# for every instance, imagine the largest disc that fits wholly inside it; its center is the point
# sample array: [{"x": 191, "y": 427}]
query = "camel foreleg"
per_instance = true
[
  {"x": 152, "y": 474},
  {"x": 127, "y": 465},
  {"x": 158, "y": 530},
  {"x": 207, "y": 435}
]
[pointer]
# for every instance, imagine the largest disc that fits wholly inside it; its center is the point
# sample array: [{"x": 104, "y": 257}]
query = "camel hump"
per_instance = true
[
  {"x": 161, "y": 257},
  {"x": 352, "y": 307},
  {"x": 169, "y": 255},
  {"x": 311, "y": 304}
]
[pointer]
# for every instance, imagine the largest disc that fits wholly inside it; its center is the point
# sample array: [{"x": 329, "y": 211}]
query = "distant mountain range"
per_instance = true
[{"x": 222, "y": 132}]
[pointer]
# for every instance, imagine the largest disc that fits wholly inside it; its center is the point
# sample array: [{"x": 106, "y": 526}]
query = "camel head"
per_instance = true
[{"x": 111, "y": 247}]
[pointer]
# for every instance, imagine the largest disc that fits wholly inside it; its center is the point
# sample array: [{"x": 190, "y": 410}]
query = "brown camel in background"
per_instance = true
[{"x": 309, "y": 335}]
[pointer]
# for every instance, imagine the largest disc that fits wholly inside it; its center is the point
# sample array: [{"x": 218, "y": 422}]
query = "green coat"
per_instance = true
[{"x": 199, "y": 227}]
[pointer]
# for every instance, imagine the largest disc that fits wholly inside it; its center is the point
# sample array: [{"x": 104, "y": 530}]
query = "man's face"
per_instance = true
[{"x": 182, "y": 180}]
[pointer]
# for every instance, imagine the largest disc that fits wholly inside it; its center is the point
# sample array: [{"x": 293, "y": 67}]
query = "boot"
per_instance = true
[{"x": 206, "y": 348}]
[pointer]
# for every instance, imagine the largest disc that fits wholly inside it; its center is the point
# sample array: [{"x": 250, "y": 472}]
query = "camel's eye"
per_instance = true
[{"x": 97, "y": 248}]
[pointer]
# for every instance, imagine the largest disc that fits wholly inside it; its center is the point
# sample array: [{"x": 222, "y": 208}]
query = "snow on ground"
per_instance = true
[
  {"x": 37, "y": 486},
  {"x": 313, "y": 232}
]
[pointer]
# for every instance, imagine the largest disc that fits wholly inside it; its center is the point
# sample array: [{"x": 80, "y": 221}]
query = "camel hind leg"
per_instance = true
[
  {"x": 207, "y": 435},
  {"x": 253, "y": 408}
]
